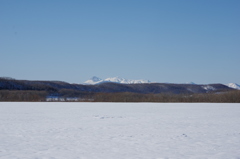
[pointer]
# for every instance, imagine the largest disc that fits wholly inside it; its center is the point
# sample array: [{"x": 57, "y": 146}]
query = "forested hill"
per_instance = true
[{"x": 148, "y": 88}]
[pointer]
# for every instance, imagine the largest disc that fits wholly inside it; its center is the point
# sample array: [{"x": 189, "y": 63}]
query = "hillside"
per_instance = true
[{"x": 109, "y": 87}]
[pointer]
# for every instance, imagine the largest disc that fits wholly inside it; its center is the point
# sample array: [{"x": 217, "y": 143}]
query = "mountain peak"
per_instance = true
[
  {"x": 93, "y": 80},
  {"x": 233, "y": 85},
  {"x": 190, "y": 83}
]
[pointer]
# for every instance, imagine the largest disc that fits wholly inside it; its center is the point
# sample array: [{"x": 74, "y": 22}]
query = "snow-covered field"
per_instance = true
[{"x": 119, "y": 131}]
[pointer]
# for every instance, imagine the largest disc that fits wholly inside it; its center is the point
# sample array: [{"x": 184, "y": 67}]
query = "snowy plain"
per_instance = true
[{"x": 119, "y": 130}]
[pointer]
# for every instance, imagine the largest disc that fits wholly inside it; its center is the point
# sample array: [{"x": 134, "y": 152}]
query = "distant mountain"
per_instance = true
[
  {"x": 233, "y": 85},
  {"x": 190, "y": 83},
  {"x": 97, "y": 80},
  {"x": 109, "y": 85},
  {"x": 94, "y": 80}
]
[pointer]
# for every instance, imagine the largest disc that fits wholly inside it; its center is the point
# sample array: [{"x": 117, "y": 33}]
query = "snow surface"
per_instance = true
[
  {"x": 119, "y": 131},
  {"x": 97, "y": 80}
]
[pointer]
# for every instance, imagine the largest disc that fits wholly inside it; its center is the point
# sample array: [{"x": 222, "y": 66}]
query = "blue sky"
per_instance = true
[{"x": 173, "y": 41}]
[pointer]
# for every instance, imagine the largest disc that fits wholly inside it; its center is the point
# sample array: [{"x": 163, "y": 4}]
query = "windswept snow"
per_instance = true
[
  {"x": 97, "y": 80},
  {"x": 119, "y": 130}
]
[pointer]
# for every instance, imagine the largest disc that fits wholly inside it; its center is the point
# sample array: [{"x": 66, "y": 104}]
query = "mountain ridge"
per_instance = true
[
  {"x": 96, "y": 80},
  {"x": 62, "y": 88}
]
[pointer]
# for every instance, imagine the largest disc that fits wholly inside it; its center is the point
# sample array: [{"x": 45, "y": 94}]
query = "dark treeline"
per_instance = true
[
  {"x": 225, "y": 97},
  {"x": 26, "y": 95},
  {"x": 19, "y": 95}
]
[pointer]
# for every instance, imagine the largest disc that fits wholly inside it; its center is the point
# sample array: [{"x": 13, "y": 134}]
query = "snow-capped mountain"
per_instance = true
[
  {"x": 190, "y": 83},
  {"x": 233, "y": 85},
  {"x": 96, "y": 80}
]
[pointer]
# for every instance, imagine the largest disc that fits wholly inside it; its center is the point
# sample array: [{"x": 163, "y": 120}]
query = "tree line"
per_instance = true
[
  {"x": 38, "y": 96},
  {"x": 224, "y": 97},
  {"x": 23, "y": 95}
]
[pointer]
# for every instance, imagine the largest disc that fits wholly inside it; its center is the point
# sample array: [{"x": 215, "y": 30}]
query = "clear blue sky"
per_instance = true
[{"x": 173, "y": 41}]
